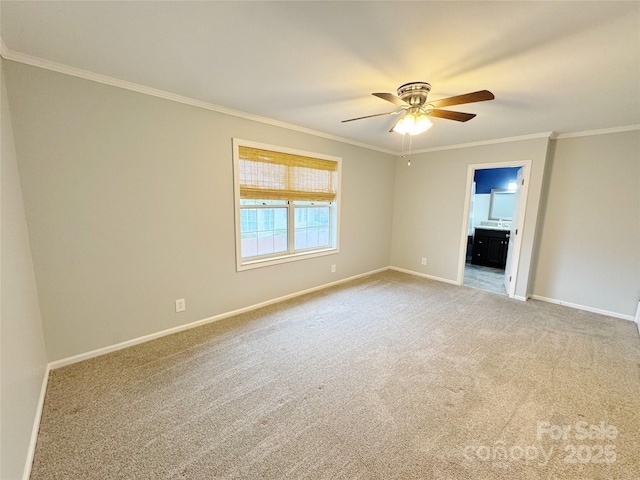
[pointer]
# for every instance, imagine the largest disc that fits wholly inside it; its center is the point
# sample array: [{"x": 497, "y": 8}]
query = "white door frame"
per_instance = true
[{"x": 522, "y": 209}]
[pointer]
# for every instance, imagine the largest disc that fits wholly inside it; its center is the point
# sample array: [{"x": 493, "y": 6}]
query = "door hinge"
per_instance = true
[
  {"x": 523, "y": 182},
  {"x": 509, "y": 277},
  {"x": 516, "y": 231}
]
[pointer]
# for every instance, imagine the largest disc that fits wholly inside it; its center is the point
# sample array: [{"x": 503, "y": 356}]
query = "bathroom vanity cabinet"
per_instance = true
[{"x": 490, "y": 247}]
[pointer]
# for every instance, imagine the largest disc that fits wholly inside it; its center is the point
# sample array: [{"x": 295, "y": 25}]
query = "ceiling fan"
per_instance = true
[{"x": 415, "y": 110}]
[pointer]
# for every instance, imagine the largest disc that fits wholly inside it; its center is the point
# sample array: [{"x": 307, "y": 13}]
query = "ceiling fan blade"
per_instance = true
[
  {"x": 449, "y": 115},
  {"x": 370, "y": 116},
  {"x": 390, "y": 97},
  {"x": 479, "y": 96}
]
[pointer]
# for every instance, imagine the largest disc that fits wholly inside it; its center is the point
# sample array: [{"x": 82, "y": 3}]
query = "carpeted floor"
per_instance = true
[{"x": 387, "y": 377}]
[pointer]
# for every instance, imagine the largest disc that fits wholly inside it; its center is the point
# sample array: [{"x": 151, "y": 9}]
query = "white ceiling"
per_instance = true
[{"x": 553, "y": 66}]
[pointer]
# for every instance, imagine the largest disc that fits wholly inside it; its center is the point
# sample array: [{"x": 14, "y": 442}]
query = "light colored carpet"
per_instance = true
[{"x": 387, "y": 377}]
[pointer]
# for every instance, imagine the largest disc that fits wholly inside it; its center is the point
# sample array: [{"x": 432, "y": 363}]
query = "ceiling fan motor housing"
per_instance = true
[{"x": 414, "y": 93}]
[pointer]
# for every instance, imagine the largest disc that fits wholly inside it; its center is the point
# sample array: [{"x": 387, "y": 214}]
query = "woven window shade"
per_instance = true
[{"x": 268, "y": 175}]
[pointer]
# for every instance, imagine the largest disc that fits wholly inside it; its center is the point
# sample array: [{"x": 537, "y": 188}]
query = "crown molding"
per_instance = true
[
  {"x": 483, "y": 142},
  {"x": 589, "y": 133},
  {"x": 155, "y": 92},
  {"x": 34, "y": 61},
  {"x": 549, "y": 135}
]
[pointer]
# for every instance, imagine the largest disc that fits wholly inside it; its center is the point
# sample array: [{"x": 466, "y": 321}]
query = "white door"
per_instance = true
[{"x": 509, "y": 282}]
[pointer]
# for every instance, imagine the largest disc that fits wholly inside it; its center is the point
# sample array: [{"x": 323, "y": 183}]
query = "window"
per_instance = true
[{"x": 286, "y": 204}]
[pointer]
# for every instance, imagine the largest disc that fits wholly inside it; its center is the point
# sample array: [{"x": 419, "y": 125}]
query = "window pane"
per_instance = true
[
  {"x": 312, "y": 237},
  {"x": 265, "y": 219},
  {"x": 248, "y": 220},
  {"x": 280, "y": 219},
  {"x": 323, "y": 236},
  {"x": 280, "y": 241},
  {"x": 263, "y": 231},
  {"x": 311, "y": 226},
  {"x": 300, "y": 218},
  {"x": 312, "y": 217},
  {"x": 248, "y": 244},
  {"x": 265, "y": 243},
  {"x": 300, "y": 239}
]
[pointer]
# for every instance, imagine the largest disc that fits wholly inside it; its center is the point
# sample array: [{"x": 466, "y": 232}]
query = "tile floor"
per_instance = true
[{"x": 484, "y": 278}]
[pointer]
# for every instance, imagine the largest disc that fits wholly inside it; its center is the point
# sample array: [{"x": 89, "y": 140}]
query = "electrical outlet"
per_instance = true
[
  {"x": 333, "y": 268},
  {"x": 180, "y": 305},
  {"x": 424, "y": 261}
]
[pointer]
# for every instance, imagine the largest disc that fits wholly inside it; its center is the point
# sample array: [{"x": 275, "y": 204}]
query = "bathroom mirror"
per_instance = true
[{"x": 502, "y": 204}]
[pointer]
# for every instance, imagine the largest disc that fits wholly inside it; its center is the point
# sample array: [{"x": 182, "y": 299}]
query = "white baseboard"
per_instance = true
[
  {"x": 146, "y": 338},
  {"x": 36, "y": 426},
  {"x": 424, "y": 275},
  {"x": 152, "y": 336},
  {"x": 537, "y": 297},
  {"x": 582, "y": 307}
]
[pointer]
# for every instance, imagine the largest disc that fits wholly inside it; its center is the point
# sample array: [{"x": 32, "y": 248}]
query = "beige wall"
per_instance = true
[
  {"x": 23, "y": 357},
  {"x": 429, "y": 206},
  {"x": 589, "y": 250},
  {"x": 129, "y": 201}
]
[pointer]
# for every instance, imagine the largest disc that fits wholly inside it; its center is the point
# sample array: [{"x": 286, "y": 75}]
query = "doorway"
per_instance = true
[{"x": 495, "y": 209}]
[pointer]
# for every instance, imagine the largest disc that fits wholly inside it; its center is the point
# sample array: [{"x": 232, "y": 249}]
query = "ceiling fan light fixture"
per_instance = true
[{"x": 414, "y": 122}]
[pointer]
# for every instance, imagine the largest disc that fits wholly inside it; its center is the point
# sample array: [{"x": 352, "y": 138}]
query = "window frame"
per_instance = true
[{"x": 291, "y": 255}]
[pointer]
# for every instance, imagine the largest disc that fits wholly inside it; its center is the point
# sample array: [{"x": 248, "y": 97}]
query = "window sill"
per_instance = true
[{"x": 265, "y": 262}]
